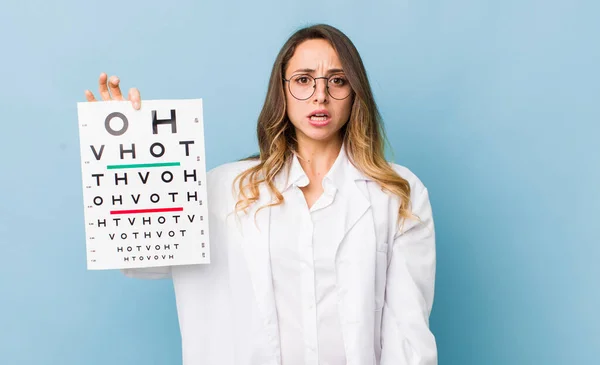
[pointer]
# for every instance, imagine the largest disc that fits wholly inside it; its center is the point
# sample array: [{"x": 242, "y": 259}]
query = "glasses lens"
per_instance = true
[
  {"x": 339, "y": 87},
  {"x": 302, "y": 86}
]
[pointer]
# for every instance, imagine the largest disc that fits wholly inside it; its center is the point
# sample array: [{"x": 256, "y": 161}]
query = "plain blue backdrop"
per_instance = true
[{"x": 494, "y": 104}]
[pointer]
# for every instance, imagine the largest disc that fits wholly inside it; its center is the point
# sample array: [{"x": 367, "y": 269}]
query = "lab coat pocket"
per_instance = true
[{"x": 381, "y": 274}]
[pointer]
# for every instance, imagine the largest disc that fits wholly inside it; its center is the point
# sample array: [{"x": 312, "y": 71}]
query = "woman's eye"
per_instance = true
[
  {"x": 302, "y": 80},
  {"x": 338, "y": 81}
]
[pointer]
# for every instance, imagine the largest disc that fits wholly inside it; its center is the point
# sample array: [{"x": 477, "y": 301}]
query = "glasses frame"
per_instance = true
[{"x": 315, "y": 86}]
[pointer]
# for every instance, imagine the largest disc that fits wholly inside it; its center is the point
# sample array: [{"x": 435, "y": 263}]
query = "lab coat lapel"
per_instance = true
[
  {"x": 255, "y": 245},
  {"x": 354, "y": 203},
  {"x": 354, "y": 258}
]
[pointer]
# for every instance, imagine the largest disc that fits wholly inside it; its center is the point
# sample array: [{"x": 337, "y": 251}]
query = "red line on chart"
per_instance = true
[{"x": 136, "y": 211}]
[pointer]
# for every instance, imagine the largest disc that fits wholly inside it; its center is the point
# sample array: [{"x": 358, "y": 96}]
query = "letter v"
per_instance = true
[
  {"x": 96, "y": 153},
  {"x": 144, "y": 180}
]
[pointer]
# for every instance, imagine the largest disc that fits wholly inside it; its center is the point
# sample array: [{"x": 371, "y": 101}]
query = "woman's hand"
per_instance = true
[{"x": 109, "y": 90}]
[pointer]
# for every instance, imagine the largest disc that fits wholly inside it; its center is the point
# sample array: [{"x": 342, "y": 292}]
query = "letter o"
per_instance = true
[
  {"x": 171, "y": 233},
  {"x": 110, "y": 117},
  {"x": 161, "y": 220},
  {"x": 162, "y": 149},
  {"x": 101, "y": 200},
  {"x": 157, "y": 247},
  {"x": 165, "y": 173},
  {"x": 123, "y": 236},
  {"x": 152, "y": 198}
]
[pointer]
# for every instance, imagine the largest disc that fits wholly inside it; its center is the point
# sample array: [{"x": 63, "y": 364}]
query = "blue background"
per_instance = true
[{"x": 494, "y": 104}]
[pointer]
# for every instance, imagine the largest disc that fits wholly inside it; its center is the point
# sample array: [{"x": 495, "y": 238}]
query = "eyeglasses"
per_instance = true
[{"x": 303, "y": 86}]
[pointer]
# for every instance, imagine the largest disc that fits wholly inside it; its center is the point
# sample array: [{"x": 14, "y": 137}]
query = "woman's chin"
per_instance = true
[{"x": 320, "y": 136}]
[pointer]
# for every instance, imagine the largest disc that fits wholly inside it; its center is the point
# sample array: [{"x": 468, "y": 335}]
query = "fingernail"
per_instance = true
[{"x": 136, "y": 104}]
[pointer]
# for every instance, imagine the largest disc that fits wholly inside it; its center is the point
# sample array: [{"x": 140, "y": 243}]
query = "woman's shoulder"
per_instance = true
[
  {"x": 417, "y": 186},
  {"x": 220, "y": 184},
  {"x": 227, "y": 172}
]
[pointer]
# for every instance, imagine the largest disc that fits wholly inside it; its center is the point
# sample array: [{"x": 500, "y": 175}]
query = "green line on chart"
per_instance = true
[{"x": 142, "y": 165}]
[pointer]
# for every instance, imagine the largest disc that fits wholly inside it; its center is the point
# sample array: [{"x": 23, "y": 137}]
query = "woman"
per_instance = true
[{"x": 329, "y": 255}]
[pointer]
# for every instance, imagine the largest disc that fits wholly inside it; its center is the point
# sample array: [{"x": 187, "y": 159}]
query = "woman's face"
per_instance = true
[{"x": 320, "y": 116}]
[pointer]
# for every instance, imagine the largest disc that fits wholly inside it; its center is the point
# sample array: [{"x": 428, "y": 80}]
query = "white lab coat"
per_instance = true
[{"x": 385, "y": 280}]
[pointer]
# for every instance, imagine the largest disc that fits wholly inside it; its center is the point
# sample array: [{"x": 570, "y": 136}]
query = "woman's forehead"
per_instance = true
[{"x": 314, "y": 54}]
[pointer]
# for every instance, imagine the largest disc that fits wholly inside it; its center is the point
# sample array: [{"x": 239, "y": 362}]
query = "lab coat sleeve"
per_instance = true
[
  {"x": 161, "y": 272},
  {"x": 405, "y": 335}
]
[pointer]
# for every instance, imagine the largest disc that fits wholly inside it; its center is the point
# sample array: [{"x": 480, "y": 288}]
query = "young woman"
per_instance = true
[{"x": 322, "y": 252}]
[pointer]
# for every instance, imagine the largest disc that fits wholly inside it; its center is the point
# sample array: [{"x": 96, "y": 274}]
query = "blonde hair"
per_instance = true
[{"x": 363, "y": 135}]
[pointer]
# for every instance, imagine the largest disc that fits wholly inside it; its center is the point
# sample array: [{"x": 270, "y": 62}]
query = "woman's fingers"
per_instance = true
[
  {"x": 113, "y": 87},
  {"x": 110, "y": 90},
  {"x": 102, "y": 86},
  {"x": 89, "y": 96},
  {"x": 135, "y": 98}
]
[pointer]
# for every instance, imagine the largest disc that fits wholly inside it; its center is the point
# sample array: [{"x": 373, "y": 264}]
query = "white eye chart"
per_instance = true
[{"x": 144, "y": 192}]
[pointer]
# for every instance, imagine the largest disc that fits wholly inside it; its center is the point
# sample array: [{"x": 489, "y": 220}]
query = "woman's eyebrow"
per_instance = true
[{"x": 310, "y": 70}]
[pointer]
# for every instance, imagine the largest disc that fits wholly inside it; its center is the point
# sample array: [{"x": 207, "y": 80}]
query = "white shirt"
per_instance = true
[{"x": 302, "y": 252}]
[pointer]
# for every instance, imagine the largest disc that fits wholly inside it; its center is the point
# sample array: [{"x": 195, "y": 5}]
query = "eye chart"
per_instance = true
[{"x": 144, "y": 191}]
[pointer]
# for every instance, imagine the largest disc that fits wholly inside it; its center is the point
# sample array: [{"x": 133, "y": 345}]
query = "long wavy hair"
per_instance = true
[{"x": 363, "y": 135}]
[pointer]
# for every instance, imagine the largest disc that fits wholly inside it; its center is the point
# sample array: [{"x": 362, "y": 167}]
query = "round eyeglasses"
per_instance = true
[{"x": 303, "y": 86}]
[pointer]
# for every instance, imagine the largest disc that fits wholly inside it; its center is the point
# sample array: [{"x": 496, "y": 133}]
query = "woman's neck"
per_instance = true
[{"x": 316, "y": 158}]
